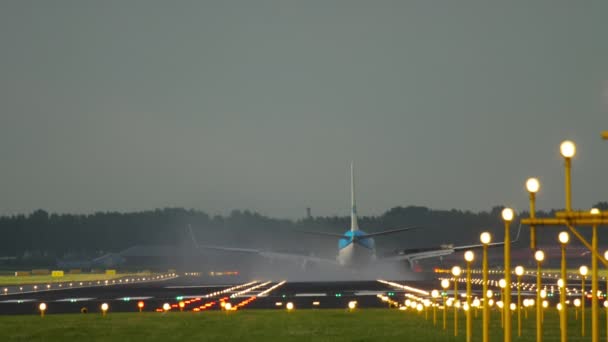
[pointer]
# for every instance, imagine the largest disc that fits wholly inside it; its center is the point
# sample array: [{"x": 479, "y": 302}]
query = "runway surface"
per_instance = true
[{"x": 197, "y": 294}]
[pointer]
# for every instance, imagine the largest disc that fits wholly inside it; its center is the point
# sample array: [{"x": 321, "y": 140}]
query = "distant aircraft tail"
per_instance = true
[{"x": 354, "y": 226}]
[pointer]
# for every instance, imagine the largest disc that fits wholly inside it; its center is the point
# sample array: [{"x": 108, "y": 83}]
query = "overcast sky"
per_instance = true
[{"x": 220, "y": 105}]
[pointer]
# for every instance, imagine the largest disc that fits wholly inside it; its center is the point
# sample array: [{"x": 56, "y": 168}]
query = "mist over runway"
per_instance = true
[{"x": 333, "y": 273}]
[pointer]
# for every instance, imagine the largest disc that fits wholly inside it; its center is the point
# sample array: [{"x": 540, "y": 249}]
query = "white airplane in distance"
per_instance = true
[{"x": 356, "y": 248}]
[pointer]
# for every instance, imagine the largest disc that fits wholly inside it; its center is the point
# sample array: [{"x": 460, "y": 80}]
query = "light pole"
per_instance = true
[
  {"x": 583, "y": 270},
  {"x": 594, "y": 281},
  {"x": 104, "y": 309},
  {"x": 532, "y": 185},
  {"x": 606, "y": 301},
  {"x": 485, "y": 238},
  {"x": 434, "y": 295},
  {"x": 571, "y": 219},
  {"x": 564, "y": 238},
  {"x": 476, "y": 304},
  {"x": 519, "y": 271},
  {"x": 507, "y": 216},
  {"x": 445, "y": 284},
  {"x": 502, "y": 283},
  {"x": 606, "y": 306},
  {"x": 539, "y": 256},
  {"x": 568, "y": 150},
  {"x": 456, "y": 271},
  {"x": 525, "y": 303},
  {"x": 469, "y": 256}
]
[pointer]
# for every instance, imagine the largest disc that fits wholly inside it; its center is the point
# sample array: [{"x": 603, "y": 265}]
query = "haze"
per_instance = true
[{"x": 218, "y": 105}]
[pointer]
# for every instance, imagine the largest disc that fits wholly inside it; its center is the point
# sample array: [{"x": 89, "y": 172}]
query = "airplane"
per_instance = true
[{"x": 356, "y": 248}]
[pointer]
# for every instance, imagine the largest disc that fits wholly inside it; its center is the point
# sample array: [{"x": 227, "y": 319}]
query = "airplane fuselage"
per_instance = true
[{"x": 355, "y": 249}]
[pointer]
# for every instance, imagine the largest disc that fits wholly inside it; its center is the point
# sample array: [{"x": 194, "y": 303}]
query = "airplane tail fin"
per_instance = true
[{"x": 354, "y": 226}]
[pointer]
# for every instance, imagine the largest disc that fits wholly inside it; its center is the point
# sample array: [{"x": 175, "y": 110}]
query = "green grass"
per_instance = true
[
  {"x": 47, "y": 279},
  {"x": 270, "y": 325}
]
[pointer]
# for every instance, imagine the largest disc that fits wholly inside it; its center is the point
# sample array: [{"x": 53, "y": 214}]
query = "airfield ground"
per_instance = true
[
  {"x": 263, "y": 316},
  {"x": 264, "y": 325},
  {"x": 7, "y": 280}
]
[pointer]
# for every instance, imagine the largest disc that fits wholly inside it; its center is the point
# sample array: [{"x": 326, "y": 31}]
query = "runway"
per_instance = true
[
  {"x": 198, "y": 294},
  {"x": 195, "y": 294}
]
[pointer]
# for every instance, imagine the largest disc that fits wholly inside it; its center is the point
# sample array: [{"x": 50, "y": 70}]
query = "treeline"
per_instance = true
[{"x": 41, "y": 234}]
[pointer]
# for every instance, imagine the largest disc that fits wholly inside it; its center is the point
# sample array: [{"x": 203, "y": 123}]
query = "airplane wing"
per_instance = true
[
  {"x": 412, "y": 255},
  {"x": 334, "y": 235},
  {"x": 263, "y": 253},
  {"x": 387, "y": 232},
  {"x": 367, "y": 235}
]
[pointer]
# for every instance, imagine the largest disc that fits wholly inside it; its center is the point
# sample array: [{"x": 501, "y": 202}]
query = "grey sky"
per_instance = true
[{"x": 217, "y": 105}]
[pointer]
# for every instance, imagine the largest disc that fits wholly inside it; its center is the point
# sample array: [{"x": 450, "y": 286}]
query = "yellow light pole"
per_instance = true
[
  {"x": 456, "y": 271},
  {"x": 570, "y": 219},
  {"x": 519, "y": 271},
  {"x": 594, "y": 281},
  {"x": 445, "y": 284},
  {"x": 532, "y": 185},
  {"x": 501, "y": 305},
  {"x": 606, "y": 301},
  {"x": 583, "y": 270},
  {"x": 545, "y": 304},
  {"x": 507, "y": 216},
  {"x": 539, "y": 256},
  {"x": 485, "y": 238},
  {"x": 513, "y": 307},
  {"x": 568, "y": 150},
  {"x": 524, "y": 307},
  {"x": 606, "y": 306},
  {"x": 564, "y": 238},
  {"x": 502, "y": 283},
  {"x": 469, "y": 256},
  {"x": 476, "y": 304},
  {"x": 434, "y": 295}
]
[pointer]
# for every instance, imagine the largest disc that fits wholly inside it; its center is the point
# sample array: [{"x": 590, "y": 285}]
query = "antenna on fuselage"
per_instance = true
[{"x": 353, "y": 208}]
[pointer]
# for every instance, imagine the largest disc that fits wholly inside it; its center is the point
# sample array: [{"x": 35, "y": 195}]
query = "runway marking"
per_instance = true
[
  {"x": 252, "y": 298},
  {"x": 194, "y": 286},
  {"x": 193, "y": 299},
  {"x": 73, "y": 300},
  {"x": 267, "y": 291},
  {"x": 368, "y": 293},
  {"x": 311, "y": 294},
  {"x": 195, "y": 296},
  {"x": 405, "y": 287},
  {"x": 18, "y": 301},
  {"x": 133, "y": 298},
  {"x": 240, "y": 293}
]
